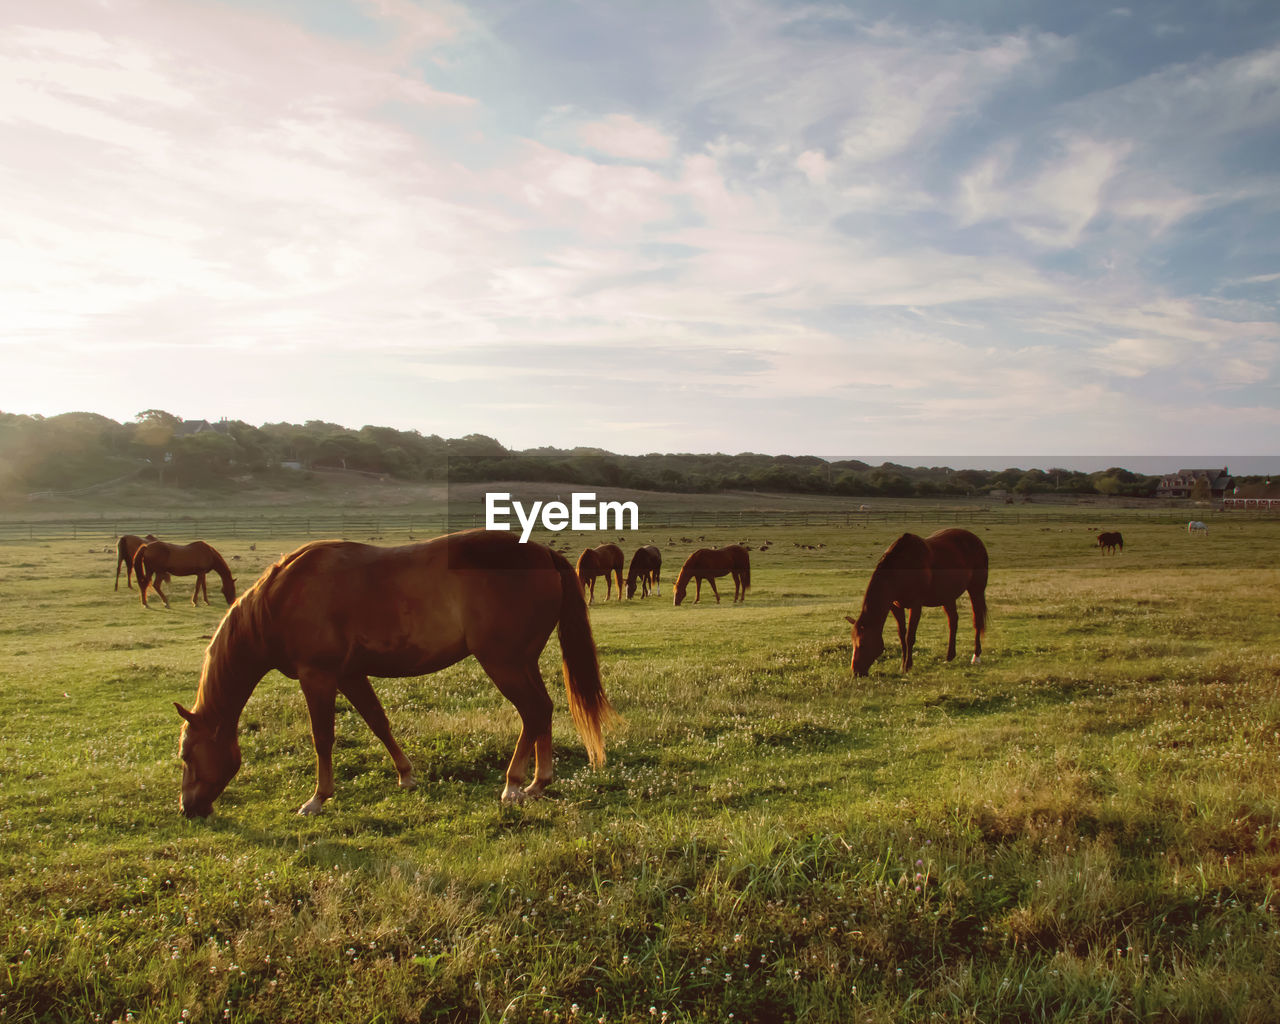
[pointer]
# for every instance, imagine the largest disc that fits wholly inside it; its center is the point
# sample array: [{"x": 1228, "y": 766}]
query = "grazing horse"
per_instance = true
[
  {"x": 1195, "y": 526},
  {"x": 1108, "y": 542},
  {"x": 917, "y": 572},
  {"x": 335, "y": 612},
  {"x": 646, "y": 569},
  {"x": 604, "y": 560},
  {"x": 126, "y": 547},
  {"x": 160, "y": 560},
  {"x": 707, "y": 564}
]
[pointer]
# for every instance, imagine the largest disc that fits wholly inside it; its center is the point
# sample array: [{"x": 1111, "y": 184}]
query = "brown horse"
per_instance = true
[
  {"x": 604, "y": 560},
  {"x": 126, "y": 547},
  {"x": 334, "y": 612},
  {"x": 645, "y": 569},
  {"x": 707, "y": 564},
  {"x": 1110, "y": 541},
  {"x": 913, "y": 573},
  {"x": 160, "y": 560}
]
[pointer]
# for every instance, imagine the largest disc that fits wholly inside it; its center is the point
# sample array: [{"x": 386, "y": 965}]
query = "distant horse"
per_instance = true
[
  {"x": 335, "y": 612},
  {"x": 917, "y": 572},
  {"x": 1108, "y": 542},
  {"x": 604, "y": 560},
  {"x": 160, "y": 560},
  {"x": 645, "y": 569},
  {"x": 126, "y": 547},
  {"x": 1195, "y": 526},
  {"x": 707, "y": 564}
]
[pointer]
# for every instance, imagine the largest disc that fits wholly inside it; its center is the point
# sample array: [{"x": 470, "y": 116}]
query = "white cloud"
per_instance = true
[{"x": 620, "y": 135}]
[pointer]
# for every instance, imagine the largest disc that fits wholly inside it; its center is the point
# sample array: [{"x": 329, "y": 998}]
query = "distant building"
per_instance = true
[
  {"x": 1183, "y": 482},
  {"x": 188, "y": 427},
  {"x": 1254, "y": 496}
]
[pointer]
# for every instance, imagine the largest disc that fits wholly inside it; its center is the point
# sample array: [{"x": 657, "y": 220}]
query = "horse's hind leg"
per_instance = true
[
  {"x": 978, "y": 599},
  {"x": 712, "y": 580},
  {"x": 359, "y": 691},
  {"x": 523, "y": 686},
  {"x": 953, "y": 621}
]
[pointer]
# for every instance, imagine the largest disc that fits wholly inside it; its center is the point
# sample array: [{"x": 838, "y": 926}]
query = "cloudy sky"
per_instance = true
[{"x": 662, "y": 225}]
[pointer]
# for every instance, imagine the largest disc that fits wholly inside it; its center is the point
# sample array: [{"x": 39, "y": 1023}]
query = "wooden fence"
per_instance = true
[{"x": 403, "y": 525}]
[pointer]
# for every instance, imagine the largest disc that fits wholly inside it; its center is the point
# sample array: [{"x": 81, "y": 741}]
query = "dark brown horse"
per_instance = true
[
  {"x": 335, "y": 612},
  {"x": 1108, "y": 542},
  {"x": 160, "y": 560},
  {"x": 707, "y": 564},
  {"x": 917, "y": 572},
  {"x": 604, "y": 560},
  {"x": 126, "y": 547},
  {"x": 645, "y": 569}
]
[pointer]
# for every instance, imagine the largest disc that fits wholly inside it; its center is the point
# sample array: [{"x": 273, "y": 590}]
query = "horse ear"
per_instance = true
[
  {"x": 190, "y": 716},
  {"x": 851, "y": 620}
]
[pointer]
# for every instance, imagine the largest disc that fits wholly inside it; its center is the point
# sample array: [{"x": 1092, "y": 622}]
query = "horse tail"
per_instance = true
[
  {"x": 588, "y": 704},
  {"x": 746, "y": 571}
]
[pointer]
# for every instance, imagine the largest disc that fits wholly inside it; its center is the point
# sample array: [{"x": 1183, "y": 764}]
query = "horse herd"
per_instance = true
[{"x": 333, "y": 613}]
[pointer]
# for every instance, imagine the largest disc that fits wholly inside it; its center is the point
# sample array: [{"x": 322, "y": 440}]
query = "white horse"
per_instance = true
[{"x": 1195, "y": 526}]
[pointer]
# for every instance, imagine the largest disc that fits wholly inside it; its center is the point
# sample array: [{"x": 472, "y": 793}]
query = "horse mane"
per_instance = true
[
  {"x": 220, "y": 564},
  {"x": 238, "y": 652},
  {"x": 897, "y": 556}
]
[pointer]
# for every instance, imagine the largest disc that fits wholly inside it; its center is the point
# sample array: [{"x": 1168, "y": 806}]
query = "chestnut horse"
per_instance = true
[
  {"x": 126, "y": 547},
  {"x": 603, "y": 560},
  {"x": 334, "y": 612},
  {"x": 645, "y": 569},
  {"x": 707, "y": 564},
  {"x": 917, "y": 572},
  {"x": 161, "y": 561},
  {"x": 1110, "y": 541}
]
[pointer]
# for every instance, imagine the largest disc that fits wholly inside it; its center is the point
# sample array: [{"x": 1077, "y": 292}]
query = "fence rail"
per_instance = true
[{"x": 405, "y": 525}]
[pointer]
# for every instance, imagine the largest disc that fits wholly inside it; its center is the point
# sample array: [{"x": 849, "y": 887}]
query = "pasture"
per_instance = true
[{"x": 1084, "y": 827}]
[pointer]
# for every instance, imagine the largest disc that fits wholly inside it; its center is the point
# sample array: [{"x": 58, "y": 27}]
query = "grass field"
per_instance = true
[{"x": 1085, "y": 827}]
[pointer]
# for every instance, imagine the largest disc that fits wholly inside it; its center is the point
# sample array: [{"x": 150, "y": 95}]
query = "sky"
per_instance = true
[{"x": 670, "y": 225}]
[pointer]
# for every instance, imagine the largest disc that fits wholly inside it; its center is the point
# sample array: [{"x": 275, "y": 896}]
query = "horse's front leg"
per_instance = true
[
  {"x": 697, "y": 589},
  {"x": 155, "y": 585},
  {"x": 618, "y": 573},
  {"x": 592, "y": 588},
  {"x": 359, "y": 691},
  {"x": 901, "y": 619},
  {"x": 320, "y": 691},
  {"x": 913, "y": 620}
]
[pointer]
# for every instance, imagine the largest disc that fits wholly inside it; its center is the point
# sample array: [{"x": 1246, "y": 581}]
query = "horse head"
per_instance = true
[
  {"x": 631, "y": 587},
  {"x": 229, "y": 590},
  {"x": 682, "y": 587},
  {"x": 868, "y": 645},
  {"x": 210, "y": 760}
]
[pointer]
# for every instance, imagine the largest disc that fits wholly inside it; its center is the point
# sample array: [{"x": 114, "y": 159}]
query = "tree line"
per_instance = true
[{"x": 77, "y": 450}]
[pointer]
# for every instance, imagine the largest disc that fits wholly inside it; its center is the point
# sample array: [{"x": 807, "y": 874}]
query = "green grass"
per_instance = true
[{"x": 1085, "y": 827}]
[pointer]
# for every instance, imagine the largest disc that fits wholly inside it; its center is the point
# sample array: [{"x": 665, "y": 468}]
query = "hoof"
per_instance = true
[
  {"x": 312, "y": 806},
  {"x": 408, "y": 782},
  {"x": 513, "y": 795},
  {"x": 975, "y": 660}
]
